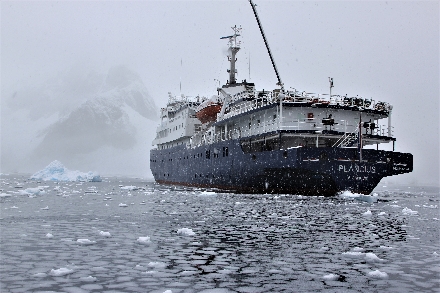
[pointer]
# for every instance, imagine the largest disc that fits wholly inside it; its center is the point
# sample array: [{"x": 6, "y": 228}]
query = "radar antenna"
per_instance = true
[
  {"x": 267, "y": 45},
  {"x": 234, "y": 47}
]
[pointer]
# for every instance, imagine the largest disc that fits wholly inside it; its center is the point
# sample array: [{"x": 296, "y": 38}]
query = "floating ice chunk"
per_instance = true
[
  {"x": 85, "y": 241},
  {"x": 361, "y": 197},
  {"x": 88, "y": 279},
  {"x": 353, "y": 254},
  {"x": 186, "y": 231},
  {"x": 55, "y": 171},
  {"x": 330, "y": 277},
  {"x": 207, "y": 193},
  {"x": 435, "y": 253},
  {"x": 367, "y": 213},
  {"x": 324, "y": 248},
  {"x": 358, "y": 249},
  {"x": 32, "y": 191},
  {"x": 49, "y": 235},
  {"x": 105, "y": 234},
  {"x": 144, "y": 240},
  {"x": 167, "y": 291},
  {"x": 4, "y": 195},
  {"x": 407, "y": 211},
  {"x": 60, "y": 272},
  {"x": 371, "y": 257},
  {"x": 40, "y": 275},
  {"x": 123, "y": 205},
  {"x": 385, "y": 247},
  {"x": 381, "y": 214},
  {"x": 14, "y": 207},
  {"x": 378, "y": 274},
  {"x": 45, "y": 208},
  {"x": 129, "y": 187},
  {"x": 157, "y": 264}
]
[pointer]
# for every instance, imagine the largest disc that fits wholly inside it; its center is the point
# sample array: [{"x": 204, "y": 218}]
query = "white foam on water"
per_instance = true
[
  {"x": 378, "y": 274},
  {"x": 381, "y": 214},
  {"x": 207, "y": 193},
  {"x": 123, "y": 205},
  {"x": 330, "y": 277},
  {"x": 186, "y": 231},
  {"x": 60, "y": 272},
  {"x": 49, "y": 235}
]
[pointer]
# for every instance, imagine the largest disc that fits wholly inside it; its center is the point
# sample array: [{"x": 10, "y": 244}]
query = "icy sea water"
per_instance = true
[{"x": 127, "y": 235}]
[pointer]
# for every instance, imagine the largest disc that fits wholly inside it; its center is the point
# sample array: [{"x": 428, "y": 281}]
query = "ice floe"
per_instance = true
[
  {"x": 85, "y": 242},
  {"x": 407, "y": 211},
  {"x": 88, "y": 279},
  {"x": 32, "y": 191},
  {"x": 55, "y": 171},
  {"x": 378, "y": 274},
  {"x": 105, "y": 234},
  {"x": 330, "y": 277},
  {"x": 157, "y": 264},
  {"x": 123, "y": 205},
  {"x": 353, "y": 254},
  {"x": 186, "y": 231},
  {"x": 49, "y": 235},
  {"x": 129, "y": 187},
  {"x": 367, "y": 213},
  {"x": 60, "y": 272},
  {"x": 371, "y": 257},
  {"x": 361, "y": 197},
  {"x": 358, "y": 249},
  {"x": 144, "y": 240}
]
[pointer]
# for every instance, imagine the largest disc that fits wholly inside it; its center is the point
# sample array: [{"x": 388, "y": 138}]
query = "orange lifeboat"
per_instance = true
[{"x": 208, "y": 110}]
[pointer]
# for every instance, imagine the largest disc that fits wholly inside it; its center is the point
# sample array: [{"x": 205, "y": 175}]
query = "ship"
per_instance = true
[{"x": 284, "y": 141}]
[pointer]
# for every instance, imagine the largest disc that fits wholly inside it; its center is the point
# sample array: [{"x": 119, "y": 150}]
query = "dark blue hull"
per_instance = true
[{"x": 304, "y": 170}]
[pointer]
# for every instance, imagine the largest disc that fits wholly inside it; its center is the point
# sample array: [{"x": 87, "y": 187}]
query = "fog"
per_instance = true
[{"x": 57, "y": 55}]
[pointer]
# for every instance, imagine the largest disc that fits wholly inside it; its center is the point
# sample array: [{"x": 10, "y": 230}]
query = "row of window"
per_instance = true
[{"x": 216, "y": 153}]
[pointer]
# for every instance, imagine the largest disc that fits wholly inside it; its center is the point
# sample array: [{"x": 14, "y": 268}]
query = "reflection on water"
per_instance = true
[{"x": 231, "y": 243}]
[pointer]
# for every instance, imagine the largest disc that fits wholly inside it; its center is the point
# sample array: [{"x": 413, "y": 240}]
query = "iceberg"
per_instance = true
[{"x": 55, "y": 171}]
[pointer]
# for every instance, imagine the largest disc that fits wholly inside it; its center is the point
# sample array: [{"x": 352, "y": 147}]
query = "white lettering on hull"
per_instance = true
[{"x": 357, "y": 169}]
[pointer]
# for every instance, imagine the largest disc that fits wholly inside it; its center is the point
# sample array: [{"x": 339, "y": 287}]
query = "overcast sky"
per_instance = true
[{"x": 385, "y": 50}]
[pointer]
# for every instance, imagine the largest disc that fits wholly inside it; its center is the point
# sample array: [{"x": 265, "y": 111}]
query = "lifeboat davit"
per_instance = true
[{"x": 208, "y": 110}]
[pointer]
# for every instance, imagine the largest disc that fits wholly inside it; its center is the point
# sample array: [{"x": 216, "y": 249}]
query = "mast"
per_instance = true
[
  {"x": 234, "y": 47},
  {"x": 267, "y": 46}
]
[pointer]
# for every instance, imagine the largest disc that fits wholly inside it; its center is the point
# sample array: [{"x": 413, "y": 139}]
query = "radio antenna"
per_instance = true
[{"x": 267, "y": 45}]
